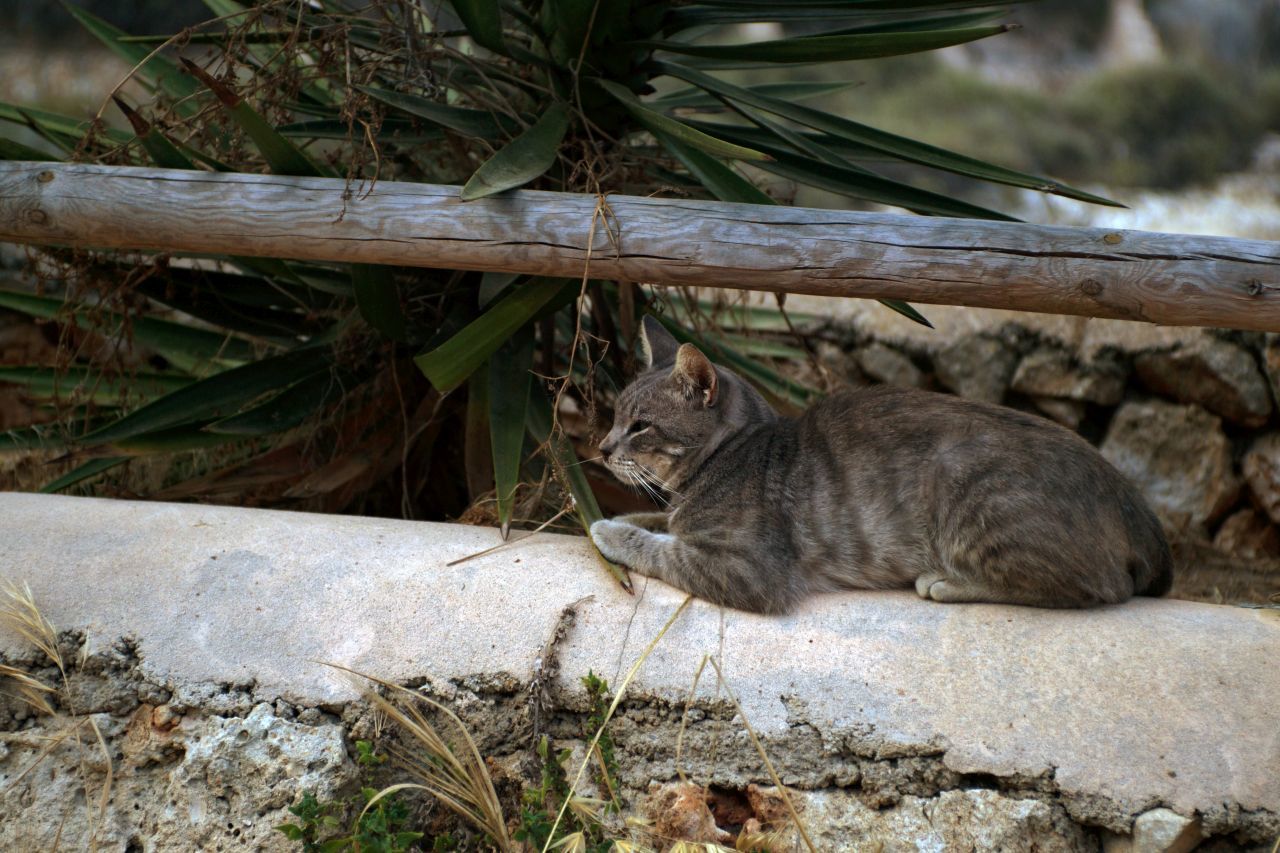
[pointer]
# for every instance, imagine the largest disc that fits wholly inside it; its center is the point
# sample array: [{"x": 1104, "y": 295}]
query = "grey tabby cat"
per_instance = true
[{"x": 872, "y": 489}]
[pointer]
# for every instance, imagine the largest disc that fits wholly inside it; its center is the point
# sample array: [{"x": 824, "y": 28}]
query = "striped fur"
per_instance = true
[{"x": 874, "y": 488}]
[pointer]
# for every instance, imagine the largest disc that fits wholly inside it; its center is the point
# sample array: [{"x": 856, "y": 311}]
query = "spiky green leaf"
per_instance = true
[
  {"x": 218, "y": 396},
  {"x": 569, "y": 470},
  {"x": 92, "y": 468},
  {"x": 13, "y": 150},
  {"x": 281, "y": 154},
  {"x": 448, "y": 365},
  {"x": 378, "y": 300},
  {"x": 190, "y": 349},
  {"x": 284, "y": 411},
  {"x": 897, "y": 146},
  {"x": 468, "y": 122},
  {"x": 483, "y": 21},
  {"x": 655, "y": 121},
  {"x": 831, "y": 48},
  {"x": 526, "y": 157},
  {"x": 721, "y": 180},
  {"x": 510, "y": 380}
]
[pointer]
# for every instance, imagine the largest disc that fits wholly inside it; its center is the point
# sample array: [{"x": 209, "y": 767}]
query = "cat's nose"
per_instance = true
[{"x": 607, "y": 447}]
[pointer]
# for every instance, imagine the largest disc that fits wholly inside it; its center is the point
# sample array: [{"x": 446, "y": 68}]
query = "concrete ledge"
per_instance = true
[{"x": 1109, "y": 713}]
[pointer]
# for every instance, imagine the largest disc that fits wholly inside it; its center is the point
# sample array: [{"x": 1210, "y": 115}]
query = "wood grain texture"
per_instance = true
[{"x": 1173, "y": 279}]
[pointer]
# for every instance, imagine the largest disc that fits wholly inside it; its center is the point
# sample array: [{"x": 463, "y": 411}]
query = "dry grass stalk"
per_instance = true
[
  {"x": 18, "y": 612},
  {"x": 765, "y": 841},
  {"x": 773, "y": 774},
  {"x": 455, "y": 775},
  {"x": 21, "y": 615},
  {"x": 29, "y": 689},
  {"x": 613, "y": 706}
]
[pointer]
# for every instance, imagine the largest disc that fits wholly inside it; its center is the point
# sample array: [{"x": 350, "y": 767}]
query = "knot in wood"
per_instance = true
[
  {"x": 1112, "y": 239},
  {"x": 1091, "y": 287},
  {"x": 38, "y": 216},
  {"x": 45, "y": 177}
]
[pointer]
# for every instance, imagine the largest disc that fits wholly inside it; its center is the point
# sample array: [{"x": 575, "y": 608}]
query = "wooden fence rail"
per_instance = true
[{"x": 1174, "y": 279}]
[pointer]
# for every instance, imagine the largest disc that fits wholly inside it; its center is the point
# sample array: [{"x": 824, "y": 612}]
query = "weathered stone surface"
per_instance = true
[
  {"x": 679, "y": 811},
  {"x": 1261, "y": 468},
  {"x": 951, "y": 323},
  {"x": 1178, "y": 456},
  {"x": 191, "y": 783},
  {"x": 1247, "y": 534},
  {"x": 976, "y": 367},
  {"x": 886, "y": 364},
  {"x": 1271, "y": 364},
  {"x": 1069, "y": 413},
  {"x": 1051, "y": 373},
  {"x": 1125, "y": 336},
  {"x": 1220, "y": 376},
  {"x": 839, "y": 366},
  {"x": 955, "y": 820},
  {"x": 864, "y": 695},
  {"x": 1157, "y": 831}
]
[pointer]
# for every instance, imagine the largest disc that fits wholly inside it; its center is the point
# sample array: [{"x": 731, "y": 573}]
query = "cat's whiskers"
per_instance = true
[
  {"x": 637, "y": 480},
  {"x": 658, "y": 481},
  {"x": 635, "y": 476}
]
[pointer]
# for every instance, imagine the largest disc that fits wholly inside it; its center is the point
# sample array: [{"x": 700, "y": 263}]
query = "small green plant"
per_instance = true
[
  {"x": 444, "y": 843},
  {"x": 378, "y": 828},
  {"x": 316, "y": 819},
  {"x": 599, "y": 697},
  {"x": 541, "y": 801},
  {"x": 581, "y": 829}
]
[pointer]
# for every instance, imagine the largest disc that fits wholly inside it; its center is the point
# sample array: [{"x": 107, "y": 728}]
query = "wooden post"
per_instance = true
[{"x": 1174, "y": 279}]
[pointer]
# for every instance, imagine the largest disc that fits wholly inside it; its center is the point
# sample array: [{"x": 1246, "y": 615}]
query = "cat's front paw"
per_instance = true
[{"x": 611, "y": 538}]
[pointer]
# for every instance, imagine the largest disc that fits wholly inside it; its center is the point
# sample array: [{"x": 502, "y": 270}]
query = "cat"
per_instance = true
[{"x": 871, "y": 488}]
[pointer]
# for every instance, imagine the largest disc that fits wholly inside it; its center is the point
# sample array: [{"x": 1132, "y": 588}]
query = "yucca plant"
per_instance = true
[{"x": 423, "y": 392}]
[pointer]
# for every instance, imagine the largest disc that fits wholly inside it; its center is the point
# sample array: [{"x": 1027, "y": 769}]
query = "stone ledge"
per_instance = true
[{"x": 1119, "y": 710}]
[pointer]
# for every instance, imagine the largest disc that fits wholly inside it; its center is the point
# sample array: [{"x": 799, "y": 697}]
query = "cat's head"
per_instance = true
[{"x": 675, "y": 413}]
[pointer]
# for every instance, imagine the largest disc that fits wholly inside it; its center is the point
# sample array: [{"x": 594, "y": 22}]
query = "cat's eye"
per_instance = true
[{"x": 638, "y": 427}]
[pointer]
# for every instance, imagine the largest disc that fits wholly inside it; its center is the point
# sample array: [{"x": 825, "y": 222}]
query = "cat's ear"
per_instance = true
[
  {"x": 656, "y": 344},
  {"x": 696, "y": 373}
]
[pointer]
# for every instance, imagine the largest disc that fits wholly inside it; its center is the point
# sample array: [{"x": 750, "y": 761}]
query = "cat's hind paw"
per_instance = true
[
  {"x": 952, "y": 591},
  {"x": 924, "y": 583}
]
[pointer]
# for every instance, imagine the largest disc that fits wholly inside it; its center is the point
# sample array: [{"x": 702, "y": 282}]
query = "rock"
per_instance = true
[
  {"x": 1249, "y": 535},
  {"x": 885, "y": 364},
  {"x": 1271, "y": 364},
  {"x": 954, "y": 820},
  {"x": 195, "y": 783},
  {"x": 839, "y": 366},
  {"x": 1157, "y": 831},
  {"x": 1069, "y": 413},
  {"x": 1125, "y": 336},
  {"x": 1261, "y": 467},
  {"x": 1178, "y": 456},
  {"x": 1051, "y": 373},
  {"x": 976, "y": 367},
  {"x": 283, "y": 758},
  {"x": 951, "y": 323},
  {"x": 679, "y": 811},
  {"x": 1220, "y": 376}
]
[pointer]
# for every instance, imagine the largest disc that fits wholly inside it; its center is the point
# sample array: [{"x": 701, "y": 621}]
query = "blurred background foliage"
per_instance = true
[{"x": 446, "y": 394}]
